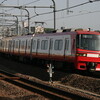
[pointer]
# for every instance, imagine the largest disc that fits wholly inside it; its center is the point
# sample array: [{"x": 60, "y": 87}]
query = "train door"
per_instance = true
[
  {"x": 34, "y": 46},
  {"x": 38, "y": 46},
  {"x": 51, "y": 47},
  {"x": 5, "y": 45},
  {"x": 12, "y": 46},
  {"x": 67, "y": 51},
  {"x": 16, "y": 46},
  {"x": 10, "y": 42},
  {"x": 28, "y": 48},
  {"x": 22, "y": 46}
]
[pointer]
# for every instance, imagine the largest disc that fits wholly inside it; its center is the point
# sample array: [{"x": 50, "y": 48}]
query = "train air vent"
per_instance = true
[
  {"x": 54, "y": 31},
  {"x": 67, "y": 30}
]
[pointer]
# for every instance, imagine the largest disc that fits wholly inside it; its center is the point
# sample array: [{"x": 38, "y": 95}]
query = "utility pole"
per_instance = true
[
  {"x": 54, "y": 11},
  {"x": 17, "y": 25},
  {"x": 9, "y": 15},
  {"x": 67, "y": 6},
  {"x": 24, "y": 8},
  {"x": 28, "y": 20}
]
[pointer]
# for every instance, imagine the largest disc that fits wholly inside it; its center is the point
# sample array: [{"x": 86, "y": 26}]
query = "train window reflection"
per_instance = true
[
  {"x": 58, "y": 44},
  {"x": 44, "y": 44},
  {"x": 89, "y": 42}
]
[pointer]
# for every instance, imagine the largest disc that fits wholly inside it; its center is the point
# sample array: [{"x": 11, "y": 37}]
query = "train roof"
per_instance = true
[
  {"x": 24, "y": 36},
  {"x": 55, "y": 34},
  {"x": 88, "y": 32},
  {"x": 67, "y": 33},
  {"x": 73, "y": 33}
]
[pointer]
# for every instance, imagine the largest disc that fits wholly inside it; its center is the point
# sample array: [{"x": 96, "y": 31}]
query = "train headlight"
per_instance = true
[
  {"x": 85, "y": 55},
  {"x": 81, "y": 54}
]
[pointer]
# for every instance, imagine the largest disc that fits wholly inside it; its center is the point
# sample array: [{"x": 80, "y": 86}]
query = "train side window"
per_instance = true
[
  {"x": 58, "y": 44},
  {"x": 66, "y": 44},
  {"x": 44, "y": 44},
  {"x": 34, "y": 44}
]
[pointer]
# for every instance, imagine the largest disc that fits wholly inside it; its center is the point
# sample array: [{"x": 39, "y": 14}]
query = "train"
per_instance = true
[{"x": 79, "y": 49}]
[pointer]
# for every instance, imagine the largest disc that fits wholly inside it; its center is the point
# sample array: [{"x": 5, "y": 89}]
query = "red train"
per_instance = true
[{"x": 77, "y": 50}]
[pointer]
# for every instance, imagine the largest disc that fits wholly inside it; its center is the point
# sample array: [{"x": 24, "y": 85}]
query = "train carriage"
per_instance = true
[
  {"x": 80, "y": 48},
  {"x": 5, "y": 44},
  {"x": 88, "y": 51},
  {"x": 22, "y": 45},
  {"x": 53, "y": 46}
]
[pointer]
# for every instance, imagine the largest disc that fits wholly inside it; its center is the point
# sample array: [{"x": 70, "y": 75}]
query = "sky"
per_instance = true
[{"x": 85, "y": 16}]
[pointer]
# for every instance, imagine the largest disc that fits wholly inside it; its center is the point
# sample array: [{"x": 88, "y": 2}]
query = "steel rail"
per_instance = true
[{"x": 40, "y": 88}]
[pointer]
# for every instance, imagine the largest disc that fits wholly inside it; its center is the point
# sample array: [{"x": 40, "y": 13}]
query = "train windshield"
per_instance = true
[{"x": 88, "y": 42}]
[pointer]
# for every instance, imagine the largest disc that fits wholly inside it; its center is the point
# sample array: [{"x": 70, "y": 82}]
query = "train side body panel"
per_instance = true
[{"x": 65, "y": 47}]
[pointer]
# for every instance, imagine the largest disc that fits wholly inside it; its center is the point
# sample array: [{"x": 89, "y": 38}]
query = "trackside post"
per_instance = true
[{"x": 50, "y": 71}]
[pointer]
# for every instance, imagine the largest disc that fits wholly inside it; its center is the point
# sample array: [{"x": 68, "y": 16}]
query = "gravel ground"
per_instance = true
[
  {"x": 12, "y": 92},
  {"x": 74, "y": 80},
  {"x": 82, "y": 82}
]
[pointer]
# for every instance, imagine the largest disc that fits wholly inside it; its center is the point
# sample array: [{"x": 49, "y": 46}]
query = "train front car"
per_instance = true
[{"x": 88, "y": 51}]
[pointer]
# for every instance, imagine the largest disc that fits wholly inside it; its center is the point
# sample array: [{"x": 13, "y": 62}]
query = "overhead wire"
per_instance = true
[
  {"x": 3, "y": 2},
  {"x": 77, "y": 5},
  {"x": 26, "y": 4},
  {"x": 75, "y": 15},
  {"x": 59, "y": 9},
  {"x": 62, "y": 9},
  {"x": 31, "y": 2}
]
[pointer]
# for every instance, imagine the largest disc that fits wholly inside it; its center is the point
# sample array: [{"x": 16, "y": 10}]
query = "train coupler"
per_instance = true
[{"x": 91, "y": 66}]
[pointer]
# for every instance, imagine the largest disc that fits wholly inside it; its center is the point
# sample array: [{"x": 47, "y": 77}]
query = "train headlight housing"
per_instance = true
[
  {"x": 85, "y": 55},
  {"x": 81, "y": 54}
]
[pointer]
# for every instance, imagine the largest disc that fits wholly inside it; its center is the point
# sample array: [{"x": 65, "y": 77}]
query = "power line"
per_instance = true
[
  {"x": 67, "y": 7},
  {"x": 75, "y": 15},
  {"x": 26, "y": 4},
  {"x": 77, "y": 5},
  {"x": 31, "y": 2},
  {"x": 63, "y": 9},
  {"x": 3, "y": 2},
  {"x": 41, "y": 14}
]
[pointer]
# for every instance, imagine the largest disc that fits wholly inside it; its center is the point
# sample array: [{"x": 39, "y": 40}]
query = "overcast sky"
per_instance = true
[{"x": 84, "y": 16}]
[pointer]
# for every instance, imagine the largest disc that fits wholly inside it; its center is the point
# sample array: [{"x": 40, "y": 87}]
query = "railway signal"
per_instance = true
[{"x": 50, "y": 71}]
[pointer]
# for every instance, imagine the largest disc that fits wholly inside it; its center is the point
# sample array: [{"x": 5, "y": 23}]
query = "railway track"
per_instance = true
[{"x": 40, "y": 88}]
